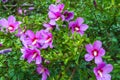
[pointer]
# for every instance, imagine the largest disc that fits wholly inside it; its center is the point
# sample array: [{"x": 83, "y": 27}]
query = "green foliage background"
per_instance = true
[{"x": 67, "y": 58}]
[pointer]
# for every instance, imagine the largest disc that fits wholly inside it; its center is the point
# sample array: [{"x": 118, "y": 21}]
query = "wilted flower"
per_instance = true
[
  {"x": 21, "y": 32},
  {"x": 11, "y": 24},
  {"x": 78, "y": 26},
  {"x": 0, "y": 44},
  {"x": 47, "y": 62},
  {"x": 30, "y": 39},
  {"x": 102, "y": 71},
  {"x": 95, "y": 3},
  {"x": 31, "y": 8},
  {"x": 25, "y": 12},
  {"x": 46, "y": 39},
  {"x": 4, "y": 1},
  {"x": 68, "y": 15},
  {"x": 44, "y": 71},
  {"x": 95, "y": 51},
  {"x": 31, "y": 55},
  {"x": 5, "y": 51},
  {"x": 20, "y": 11},
  {"x": 55, "y": 12}
]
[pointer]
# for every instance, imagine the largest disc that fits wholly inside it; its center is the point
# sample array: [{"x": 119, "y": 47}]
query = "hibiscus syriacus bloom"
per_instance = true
[
  {"x": 31, "y": 55},
  {"x": 11, "y": 24},
  {"x": 102, "y": 71},
  {"x": 68, "y": 15},
  {"x": 78, "y": 26},
  {"x": 95, "y": 51},
  {"x": 29, "y": 39},
  {"x": 46, "y": 39},
  {"x": 55, "y": 12},
  {"x": 44, "y": 71}
]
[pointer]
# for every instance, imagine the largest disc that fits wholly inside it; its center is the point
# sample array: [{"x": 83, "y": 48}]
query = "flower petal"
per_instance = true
[
  {"x": 95, "y": 71},
  {"x": 98, "y": 60},
  {"x": 97, "y": 45},
  {"x": 11, "y": 19},
  {"x": 39, "y": 69},
  {"x": 89, "y": 48},
  {"x": 46, "y": 25},
  {"x": 108, "y": 68},
  {"x": 38, "y": 35},
  {"x": 47, "y": 72},
  {"x": 45, "y": 46},
  {"x": 16, "y": 24},
  {"x": 52, "y": 22},
  {"x": 81, "y": 33},
  {"x": 83, "y": 27},
  {"x": 71, "y": 24},
  {"x": 30, "y": 34},
  {"x": 79, "y": 21},
  {"x": 88, "y": 57},
  {"x": 106, "y": 77},
  {"x": 51, "y": 46},
  {"x": 38, "y": 60},
  {"x": 44, "y": 76},
  {"x": 62, "y": 17},
  {"x": 99, "y": 78},
  {"x": 30, "y": 59},
  {"x": 51, "y": 15},
  {"x": 60, "y": 7},
  {"x": 53, "y": 8},
  {"x": 101, "y": 52},
  {"x": 3, "y": 22}
]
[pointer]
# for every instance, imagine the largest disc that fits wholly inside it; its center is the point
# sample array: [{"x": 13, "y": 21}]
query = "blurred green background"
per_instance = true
[{"x": 67, "y": 58}]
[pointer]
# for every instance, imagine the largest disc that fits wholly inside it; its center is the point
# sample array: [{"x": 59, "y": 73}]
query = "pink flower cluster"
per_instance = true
[
  {"x": 32, "y": 43},
  {"x": 96, "y": 52},
  {"x": 56, "y": 12}
]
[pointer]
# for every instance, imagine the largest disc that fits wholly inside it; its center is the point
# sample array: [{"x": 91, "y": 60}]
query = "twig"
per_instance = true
[{"x": 73, "y": 72}]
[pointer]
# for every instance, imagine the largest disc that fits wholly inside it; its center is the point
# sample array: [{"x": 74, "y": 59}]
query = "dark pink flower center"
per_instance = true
[
  {"x": 34, "y": 41},
  {"x": 76, "y": 28},
  {"x": 43, "y": 70},
  {"x": 66, "y": 15},
  {"x": 60, "y": 9},
  {"x": 35, "y": 54},
  {"x": 95, "y": 52},
  {"x": 11, "y": 28},
  {"x": 48, "y": 40},
  {"x": 51, "y": 26},
  {"x": 100, "y": 73},
  {"x": 58, "y": 15}
]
